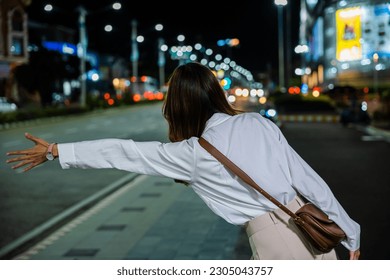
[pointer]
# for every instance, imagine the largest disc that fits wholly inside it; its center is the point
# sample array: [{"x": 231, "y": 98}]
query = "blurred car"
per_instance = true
[
  {"x": 271, "y": 114},
  {"x": 6, "y": 106}
]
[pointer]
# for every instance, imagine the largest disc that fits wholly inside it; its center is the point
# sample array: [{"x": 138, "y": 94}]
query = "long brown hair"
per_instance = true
[{"x": 194, "y": 95}]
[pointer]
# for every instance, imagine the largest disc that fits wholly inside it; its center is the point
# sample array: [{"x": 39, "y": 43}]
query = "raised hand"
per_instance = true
[{"x": 31, "y": 157}]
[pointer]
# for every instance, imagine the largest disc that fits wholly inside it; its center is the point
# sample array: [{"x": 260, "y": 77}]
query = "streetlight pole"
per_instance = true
[
  {"x": 83, "y": 56},
  {"x": 180, "y": 39},
  {"x": 134, "y": 48},
  {"x": 161, "y": 56},
  {"x": 280, "y": 4},
  {"x": 161, "y": 62}
]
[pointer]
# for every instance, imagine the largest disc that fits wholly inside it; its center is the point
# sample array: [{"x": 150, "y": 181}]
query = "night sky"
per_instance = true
[{"x": 254, "y": 23}]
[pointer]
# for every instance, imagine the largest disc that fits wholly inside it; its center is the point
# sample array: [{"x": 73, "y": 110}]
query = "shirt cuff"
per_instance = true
[{"x": 66, "y": 155}]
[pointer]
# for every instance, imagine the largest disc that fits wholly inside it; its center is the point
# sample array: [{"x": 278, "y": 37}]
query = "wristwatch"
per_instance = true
[{"x": 49, "y": 153}]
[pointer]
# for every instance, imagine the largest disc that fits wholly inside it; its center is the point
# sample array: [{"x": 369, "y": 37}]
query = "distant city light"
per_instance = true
[
  {"x": 304, "y": 89},
  {"x": 316, "y": 92},
  {"x": 263, "y": 100},
  {"x": 380, "y": 67},
  {"x": 117, "y": 6},
  {"x": 228, "y": 42},
  {"x": 95, "y": 77},
  {"x": 164, "y": 47},
  {"x": 108, "y": 28},
  {"x": 140, "y": 38},
  {"x": 48, "y": 7},
  {"x": 281, "y": 2},
  {"x": 271, "y": 113},
  {"x": 343, "y": 3},
  {"x": 159, "y": 27},
  {"x": 364, "y": 106},
  {"x": 301, "y": 49},
  {"x": 209, "y": 51},
  {"x": 218, "y": 57},
  {"x": 231, "y": 98},
  {"x": 198, "y": 46},
  {"x": 181, "y": 38},
  {"x": 193, "y": 57},
  {"x": 375, "y": 57},
  {"x": 299, "y": 72}
]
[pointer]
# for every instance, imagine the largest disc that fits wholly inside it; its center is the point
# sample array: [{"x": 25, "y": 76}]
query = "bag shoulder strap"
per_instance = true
[{"x": 242, "y": 175}]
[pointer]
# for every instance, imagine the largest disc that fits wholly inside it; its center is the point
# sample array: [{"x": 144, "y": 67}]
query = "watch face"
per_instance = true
[{"x": 49, "y": 156}]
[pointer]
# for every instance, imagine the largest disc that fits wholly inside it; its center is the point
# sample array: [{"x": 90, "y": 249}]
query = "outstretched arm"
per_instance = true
[{"x": 31, "y": 157}]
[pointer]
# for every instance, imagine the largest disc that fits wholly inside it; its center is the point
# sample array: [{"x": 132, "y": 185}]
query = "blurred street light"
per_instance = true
[
  {"x": 48, "y": 8},
  {"x": 280, "y": 4},
  {"x": 117, "y": 6},
  {"x": 228, "y": 44}
]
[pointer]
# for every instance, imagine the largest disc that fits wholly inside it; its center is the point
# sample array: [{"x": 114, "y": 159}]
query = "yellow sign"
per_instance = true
[{"x": 349, "y": 32}]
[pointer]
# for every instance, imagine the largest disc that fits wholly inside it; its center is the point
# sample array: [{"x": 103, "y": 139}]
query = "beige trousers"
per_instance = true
[{"x": 274, "y": 236}]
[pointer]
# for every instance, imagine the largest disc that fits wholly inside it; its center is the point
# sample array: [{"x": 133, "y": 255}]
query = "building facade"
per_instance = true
[
  {"x": 13, "y": 41},
  {"x": 348, "y": 44}
]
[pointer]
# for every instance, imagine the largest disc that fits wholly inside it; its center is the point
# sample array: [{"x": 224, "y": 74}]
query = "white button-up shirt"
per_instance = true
[{"x": 252, "y": 142}]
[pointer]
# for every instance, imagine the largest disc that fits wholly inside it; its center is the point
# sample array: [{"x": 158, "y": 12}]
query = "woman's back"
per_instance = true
[{"x": 254, "y": 144}]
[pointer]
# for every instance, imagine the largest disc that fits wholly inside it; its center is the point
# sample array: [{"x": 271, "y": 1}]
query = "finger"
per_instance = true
[
  {"x": 31, "y": 166},
  {"x": 15, "y": 159},
  {"x": 22, "y": 152},
  {"x": 20, "y": 164}
]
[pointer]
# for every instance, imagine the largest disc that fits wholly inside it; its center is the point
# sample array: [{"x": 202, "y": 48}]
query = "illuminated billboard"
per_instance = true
[{"x": 348, "y": 34}]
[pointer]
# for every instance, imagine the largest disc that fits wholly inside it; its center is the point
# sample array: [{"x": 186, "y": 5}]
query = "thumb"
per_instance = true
[
  {"x": 36, "y": 140},
  {"x": 30, "y": 137}
]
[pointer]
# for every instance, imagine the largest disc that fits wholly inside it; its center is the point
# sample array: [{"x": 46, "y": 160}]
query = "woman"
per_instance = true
[{"x": 195, "y": 106}]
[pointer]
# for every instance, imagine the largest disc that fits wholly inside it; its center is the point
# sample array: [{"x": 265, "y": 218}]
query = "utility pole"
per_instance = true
[
  {"x": 161, "y": 63},
  {"x": 281, "y": 46},
  {"x": 134, "y": 48},
  {"x": 83, "y": 56}
]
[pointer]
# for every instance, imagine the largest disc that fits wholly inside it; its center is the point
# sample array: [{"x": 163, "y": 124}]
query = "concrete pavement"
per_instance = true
[{"x": 148, "y": 218}]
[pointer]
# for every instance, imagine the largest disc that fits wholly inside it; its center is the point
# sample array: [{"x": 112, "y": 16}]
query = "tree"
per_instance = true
[{"x": 46, "y": 72}]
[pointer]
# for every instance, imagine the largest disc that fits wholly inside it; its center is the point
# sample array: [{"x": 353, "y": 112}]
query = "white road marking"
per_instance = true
[{"x": 372, "y": 138}]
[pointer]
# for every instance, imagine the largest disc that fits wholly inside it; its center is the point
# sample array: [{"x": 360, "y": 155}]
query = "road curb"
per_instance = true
[{"x": 310, "y": 118}]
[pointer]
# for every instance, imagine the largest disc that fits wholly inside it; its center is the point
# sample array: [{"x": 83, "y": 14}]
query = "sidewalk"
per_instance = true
[{"x": 148, "y": 218}]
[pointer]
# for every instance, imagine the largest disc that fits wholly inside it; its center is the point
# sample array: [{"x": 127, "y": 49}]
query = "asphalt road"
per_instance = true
[{"x": 357, "y": 171}]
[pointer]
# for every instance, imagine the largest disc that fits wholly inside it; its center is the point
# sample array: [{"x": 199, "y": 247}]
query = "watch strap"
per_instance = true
[
  {"x": 50, "y": 148},
  {"x": 49, "y": 153}
]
